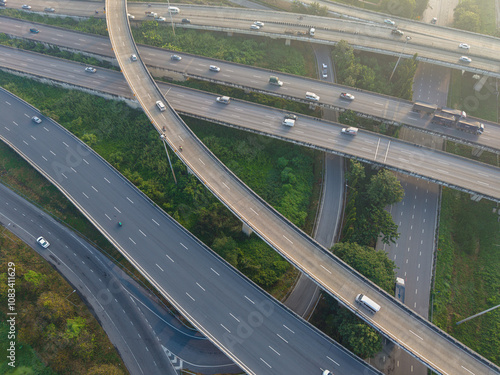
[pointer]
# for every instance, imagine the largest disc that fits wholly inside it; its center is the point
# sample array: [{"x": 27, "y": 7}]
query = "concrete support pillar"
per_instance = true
[
  {"x": 246, "y": 229},
  {"x": 475, "y": 198},
  {"x": 477, "y": 151}
]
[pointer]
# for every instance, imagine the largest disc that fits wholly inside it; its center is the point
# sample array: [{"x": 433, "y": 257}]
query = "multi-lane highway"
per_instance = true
[
  {"x": 254, "y": 329},
  {"x": 382, "y": 107},
  {"x": 125, "y": 309},
  {"x": 439, "y": 47},
  {"x": 102, "y": 285},
  {"x": 224, "y": 183},
  {"x": 431, "y": 164},
  {"x": 409, "y": 330}
]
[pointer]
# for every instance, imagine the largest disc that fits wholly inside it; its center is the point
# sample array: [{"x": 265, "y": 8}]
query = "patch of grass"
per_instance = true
[
  {"x": 482, "y": 104},
  {"x": 487, "y": 13},
  {"x": 42, "y": 343},
  {"x": 468, "y": 272},
  {"x": 54, "y": 51},
  {"x": 250, "y": 50},
  {"x": 91, "y": 25},
  {"x": 470, "y": 152}
]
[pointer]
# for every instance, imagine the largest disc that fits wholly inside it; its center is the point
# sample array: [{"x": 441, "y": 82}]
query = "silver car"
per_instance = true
[{"x": 43, "y": 242}]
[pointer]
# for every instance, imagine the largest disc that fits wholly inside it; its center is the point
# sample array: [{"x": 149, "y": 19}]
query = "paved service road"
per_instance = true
[
  {"x": 125, "y": 309},
  {"x": 231, "y": 311},
  {"x": 382, "y": 107},
  {"x": 97, "y": 280},
  {"x": 395, "y": 320}
]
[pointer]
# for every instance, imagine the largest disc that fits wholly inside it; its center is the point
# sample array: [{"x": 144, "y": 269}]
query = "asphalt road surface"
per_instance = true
[
  {"x": 440, "y": 46},
  {"x": 98, "y": 281},
  {"x": 395, "y": 320},
  {"x": 436, "y": 166},
  {"x": 159, "y": 61},
  {"x": 228, "y": 309}
]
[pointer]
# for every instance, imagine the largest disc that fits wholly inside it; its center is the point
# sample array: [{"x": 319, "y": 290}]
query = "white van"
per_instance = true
[
  {"x": 312, "y": 96},
  {"x": 288, "y": 122},
  {"x": 161, "y": 106},
  {"x": 174, "y": 10},
  {"x": 368, "y": 303}
]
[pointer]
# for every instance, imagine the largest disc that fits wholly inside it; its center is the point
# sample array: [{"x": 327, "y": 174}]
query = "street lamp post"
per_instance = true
[
  {"x": 399, "y": 58},
  {"x": 74, "y": 290}
]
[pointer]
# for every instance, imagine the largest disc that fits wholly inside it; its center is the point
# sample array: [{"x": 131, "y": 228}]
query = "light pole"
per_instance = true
[
  {"x": 74, "y": 290},
  {"x": 399, "y": 58}
]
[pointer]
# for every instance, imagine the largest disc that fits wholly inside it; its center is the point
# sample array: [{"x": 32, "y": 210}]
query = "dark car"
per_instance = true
[
  {"x": 185, "y": 20},
  {"x": 34, "y": 31},
  {"x": 290, "y": 116}
]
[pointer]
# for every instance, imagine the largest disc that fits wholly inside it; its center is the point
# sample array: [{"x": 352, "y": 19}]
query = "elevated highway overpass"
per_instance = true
[
  {"x": 366, "y": 31},
  {"x": 432, "y": 165},
  {"x": 258, "y": 332},
  {"x": 367, "y": 104},
  {"x": 425, "y": 341}
]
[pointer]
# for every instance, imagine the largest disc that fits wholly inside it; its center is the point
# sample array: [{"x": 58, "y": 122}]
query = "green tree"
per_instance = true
[
  {"x": 384, "y": 189},
  {"x": 400, "y": 8},
  {"x": 385, "y": 225},
  {"x": 89, "y": 139},
  {"x": 360, "y": 338},
  {"x": 468, "y": 20},
  {"x": 356, "y": 172},
  {"x": 373, "y": 264},
  {"x": 466, "y": 16}
]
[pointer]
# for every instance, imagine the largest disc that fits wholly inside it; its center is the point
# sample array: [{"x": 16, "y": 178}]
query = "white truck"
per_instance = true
[{"x": 151, "y": 14}]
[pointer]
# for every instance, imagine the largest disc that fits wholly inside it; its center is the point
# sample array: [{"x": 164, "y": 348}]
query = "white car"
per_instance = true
[
  {"x": 324, "y": 66},
  {"x": 464, "y": 46},
  {"x": 258, "y": 23},
  {"x": 254, "y": 27},
  {"x": 89, "y": 69},
  {"x": 36, "y": 120},
  {"x": 347, "y": 96},
  {"x": 326, "y": 372},
  {"x": 389, "y": 22},
  {"x": 43, "y": 242},
  {"x": 133, "y": 57},
  {"x": 349, "y": 131},
  {"x": 214, "y": 68},
  {"x": 130, "y": 16},
  {"x": 465, "y": 59},
  {"x": 26, "y": 7}
]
